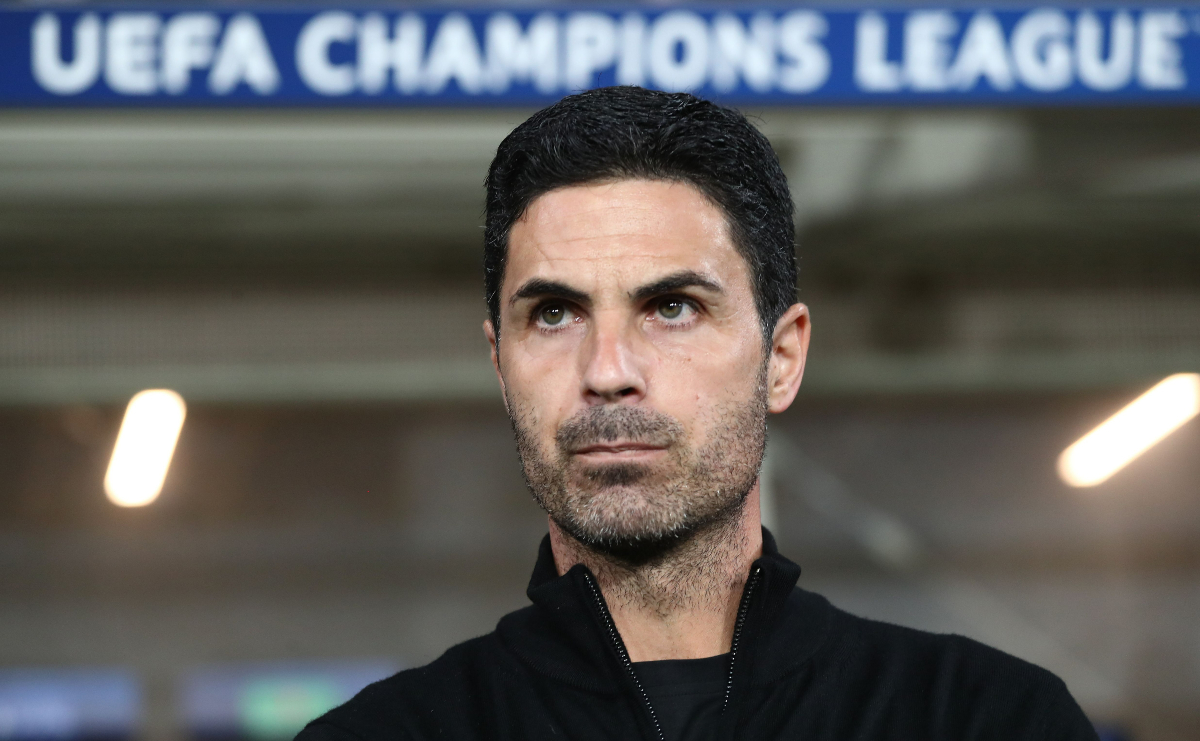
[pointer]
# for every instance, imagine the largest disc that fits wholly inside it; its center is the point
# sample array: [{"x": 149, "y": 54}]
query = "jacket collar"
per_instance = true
[
  {"x": 546, "y": 571},
  {"x": 563, "y": 635}
]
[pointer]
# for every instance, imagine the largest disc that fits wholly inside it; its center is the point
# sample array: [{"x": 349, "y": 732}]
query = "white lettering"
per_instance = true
[
  {"x": 454, "y": 55},
  {"x": 591, "y": 41},
  {"x": 806, "y": 61},
  {"x": 244, "y": 56},
  {"x": 982, "y": 53},
  {"x": 187, "y": 44},
  {"x": 927, "y": 49},
  {"x": 631, "y": 65},
  {"x": 872, "y": 70},
  {"x": 49, "y": 69},
  {"x": 377, "y": 53},
  {"x": 678, "y": 51},
  {"x": 132, "y": 53},
  {"x": 1160, "y": 64},
  {"x": 736, "y": 52},
  {"x": 312, "y": 53},
  {"x": 1041, "y": 50},
  {"x": 1094, "y": 71},
  {"x": 516, "y": 56}
]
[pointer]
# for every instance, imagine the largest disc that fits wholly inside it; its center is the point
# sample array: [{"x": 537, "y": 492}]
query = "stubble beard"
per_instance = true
[{"x": 635, "y": 513}]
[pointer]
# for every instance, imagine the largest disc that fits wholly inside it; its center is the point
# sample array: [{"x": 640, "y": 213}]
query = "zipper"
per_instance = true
[
  {"x": 618, "y": 644},
  {"x": 743, "y": 609}
]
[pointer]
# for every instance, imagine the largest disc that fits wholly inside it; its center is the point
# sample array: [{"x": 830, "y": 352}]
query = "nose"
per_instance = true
[{"x": 612, "y": 372}]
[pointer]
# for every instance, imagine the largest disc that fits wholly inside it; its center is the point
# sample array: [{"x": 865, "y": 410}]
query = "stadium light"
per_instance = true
[
  {"x": 1132, "y": 431},
  {"x": 144, "y": 447}
]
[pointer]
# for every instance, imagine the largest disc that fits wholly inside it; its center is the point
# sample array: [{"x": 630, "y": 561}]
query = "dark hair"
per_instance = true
[{"x": 630, "y": 132}]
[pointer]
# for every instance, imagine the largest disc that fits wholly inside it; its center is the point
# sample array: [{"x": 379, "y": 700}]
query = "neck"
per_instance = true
[{"x": 682, "y": 604}]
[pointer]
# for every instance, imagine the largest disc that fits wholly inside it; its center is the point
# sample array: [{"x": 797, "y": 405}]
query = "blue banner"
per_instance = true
[
  {"x": 768, "y": 55},
  {"x": 271, "y": 701},
  {"x": 69, "y": 704}
]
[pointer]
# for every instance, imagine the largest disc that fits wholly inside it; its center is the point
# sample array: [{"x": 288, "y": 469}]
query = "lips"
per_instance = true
[
  {"x": 617, "y": 447},
  {"x": 612, "y": 432}
]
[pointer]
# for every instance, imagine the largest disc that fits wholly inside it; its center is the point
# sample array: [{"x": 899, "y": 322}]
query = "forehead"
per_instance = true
[{"x": 625, "y": 230}]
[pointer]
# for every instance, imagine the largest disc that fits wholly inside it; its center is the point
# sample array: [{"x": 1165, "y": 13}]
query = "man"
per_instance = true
[{"x": 640, "y": 280}]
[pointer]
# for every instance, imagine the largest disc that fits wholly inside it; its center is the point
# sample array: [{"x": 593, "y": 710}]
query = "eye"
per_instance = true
[
  {"x": 552, "y": 315},
  {"x": 672, "y": 308}
]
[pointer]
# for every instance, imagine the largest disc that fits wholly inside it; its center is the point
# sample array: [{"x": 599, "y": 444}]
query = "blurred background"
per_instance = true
[{"x": 987, "y": 284}]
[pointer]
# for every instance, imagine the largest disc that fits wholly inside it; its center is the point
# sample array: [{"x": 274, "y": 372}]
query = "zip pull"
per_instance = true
[
  {"x": 619, "y": 645},
  {"x": 743, "y": 609}
]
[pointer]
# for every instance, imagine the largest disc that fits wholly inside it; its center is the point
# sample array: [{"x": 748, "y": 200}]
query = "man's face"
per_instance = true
[{"x": 632, "y": 361}]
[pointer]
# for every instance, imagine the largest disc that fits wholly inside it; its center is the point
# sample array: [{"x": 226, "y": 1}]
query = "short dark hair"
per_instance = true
[{"x": 629, "y": 132}]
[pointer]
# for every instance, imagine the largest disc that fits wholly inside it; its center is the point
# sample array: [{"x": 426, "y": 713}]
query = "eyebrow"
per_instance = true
[
  {"x": 542, "y": 288},
  {"x": 676, "y": 282}
]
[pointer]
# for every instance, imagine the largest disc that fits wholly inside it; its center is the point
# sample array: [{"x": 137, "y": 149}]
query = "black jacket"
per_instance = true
[{"x": 799, "y": 669}]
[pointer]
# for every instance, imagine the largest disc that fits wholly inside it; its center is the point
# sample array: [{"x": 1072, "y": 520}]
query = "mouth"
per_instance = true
[{"x": 618, "y": 451}]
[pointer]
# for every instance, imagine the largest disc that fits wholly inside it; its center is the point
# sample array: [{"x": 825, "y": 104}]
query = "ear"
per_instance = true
[
  {"x": 789, "y": 348},
  {"x": 490, "y": 332}
]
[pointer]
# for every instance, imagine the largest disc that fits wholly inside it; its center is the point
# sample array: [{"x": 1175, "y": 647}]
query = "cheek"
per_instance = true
[
  {"x": 721, "y": 367},
  {"x": 539, "y": 381},
  {"x": 699, "y": 386}
]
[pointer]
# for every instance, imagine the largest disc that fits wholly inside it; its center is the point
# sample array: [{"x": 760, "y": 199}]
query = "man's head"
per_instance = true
[
  {"x": 640, "y": 267},
  {"x": 621, "y": 133}
]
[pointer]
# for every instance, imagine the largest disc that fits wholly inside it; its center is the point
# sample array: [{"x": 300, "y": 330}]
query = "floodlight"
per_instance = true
[
  {"x": 144, "y": 447},
  {"x": 1132, "y": 431}
]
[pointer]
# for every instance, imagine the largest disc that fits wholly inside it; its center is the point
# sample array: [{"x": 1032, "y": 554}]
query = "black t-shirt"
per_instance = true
[{"x": 686, "y": 694}]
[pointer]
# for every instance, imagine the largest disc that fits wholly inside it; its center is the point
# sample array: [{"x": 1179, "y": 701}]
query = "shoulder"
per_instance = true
[
  {"x": 966, "y": 685},
  {"x": 919, "y": 653},
  {"x": 418, "y": 703}
]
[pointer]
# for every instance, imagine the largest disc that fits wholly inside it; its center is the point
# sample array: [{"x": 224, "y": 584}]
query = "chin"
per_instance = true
[
  {"x": 615, "y": 475},
  {"x": 629, "y": 541},
  {"x": 640, "y": 551},
  {"x": 626, "y": 521}
]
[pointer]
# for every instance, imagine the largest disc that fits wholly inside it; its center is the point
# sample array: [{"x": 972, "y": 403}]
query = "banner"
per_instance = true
[
  {"x": 769, "y": 55},
  {"x": 69, "y": 705}
]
